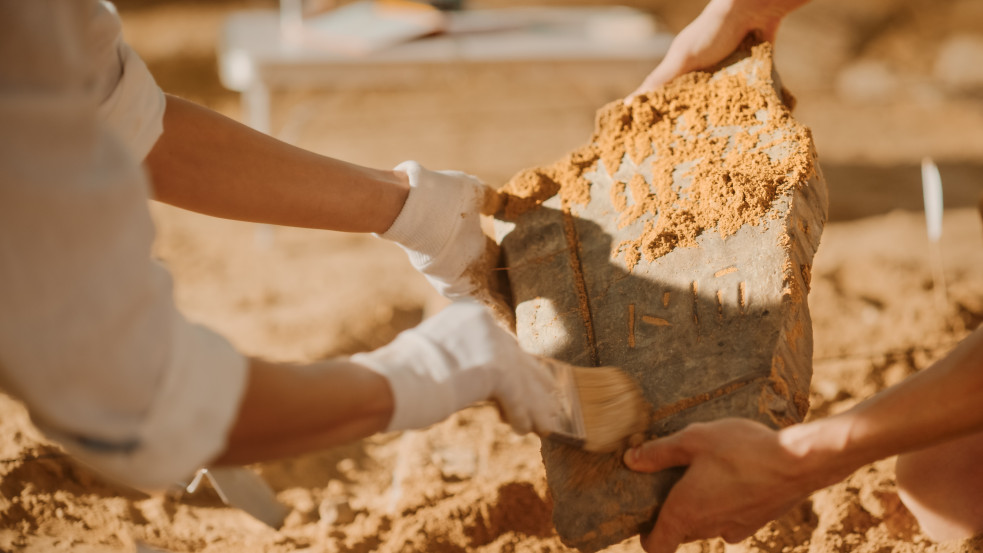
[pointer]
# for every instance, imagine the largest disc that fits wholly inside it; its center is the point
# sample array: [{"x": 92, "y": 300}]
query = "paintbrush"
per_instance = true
[{"x": 602, "y": 406}]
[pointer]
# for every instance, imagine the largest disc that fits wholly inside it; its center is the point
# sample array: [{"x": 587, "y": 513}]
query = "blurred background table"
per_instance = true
[{"x": 257, "y": 57}]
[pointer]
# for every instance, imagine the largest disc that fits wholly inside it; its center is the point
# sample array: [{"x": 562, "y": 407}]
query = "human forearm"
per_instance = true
[
  {"x": 938, "y": 404},
  {"x": 743, "y": 16},
  {"x": 762, "y": 15},
  {"x": 742, "y": 474},
  {"x": 209, "y": 163},
  {"x": 456, "y": 358},
  {"x": 292, "y": 409}
]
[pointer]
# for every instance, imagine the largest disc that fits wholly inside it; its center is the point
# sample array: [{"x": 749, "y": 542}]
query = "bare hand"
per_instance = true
[
  {"x": 716, "y": 33},
  {"x": 741, "y": 475}
]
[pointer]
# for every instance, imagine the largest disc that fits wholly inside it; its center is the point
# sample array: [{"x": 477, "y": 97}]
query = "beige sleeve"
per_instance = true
[
  {"x": 90, "y": 338},
  {"x": 130, "y": 102}
]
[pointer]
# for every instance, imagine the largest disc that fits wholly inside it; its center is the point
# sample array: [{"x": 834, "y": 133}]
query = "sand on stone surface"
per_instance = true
[
  {"x": 732, "y": 182},
  {"x": 469, "y": 484}
]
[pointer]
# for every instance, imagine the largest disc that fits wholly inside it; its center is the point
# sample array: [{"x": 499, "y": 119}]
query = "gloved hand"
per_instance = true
[
  {"x": 439, "y": 227},
  {"x": 456, "y": 358}
]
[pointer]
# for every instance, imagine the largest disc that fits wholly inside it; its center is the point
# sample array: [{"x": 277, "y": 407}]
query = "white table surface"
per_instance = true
[{"x": 255, "y": 57}]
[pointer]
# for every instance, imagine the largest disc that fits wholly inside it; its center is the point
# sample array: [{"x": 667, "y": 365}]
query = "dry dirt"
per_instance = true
[{"x": 870, "y": 84}]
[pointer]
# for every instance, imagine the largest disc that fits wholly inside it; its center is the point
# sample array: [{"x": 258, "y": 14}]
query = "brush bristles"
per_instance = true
[{"x": 612, "y": 405}]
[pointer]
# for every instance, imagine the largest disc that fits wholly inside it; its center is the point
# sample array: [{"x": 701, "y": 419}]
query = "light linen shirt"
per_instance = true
[{"x": 90, "y": 339}]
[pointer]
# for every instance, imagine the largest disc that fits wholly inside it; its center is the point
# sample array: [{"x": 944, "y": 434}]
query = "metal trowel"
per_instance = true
[{"x": 243, "y": 489}]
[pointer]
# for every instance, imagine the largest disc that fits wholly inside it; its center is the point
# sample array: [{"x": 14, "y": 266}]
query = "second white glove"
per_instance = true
[{"x": 458, "y": 357}]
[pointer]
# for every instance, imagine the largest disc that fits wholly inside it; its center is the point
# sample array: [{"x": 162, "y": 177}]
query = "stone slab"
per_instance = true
[{"x": 717, "y": 330}]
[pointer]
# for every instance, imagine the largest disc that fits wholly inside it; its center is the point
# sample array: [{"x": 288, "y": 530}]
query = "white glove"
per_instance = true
[
  {"x": 439, "y": 227},
  {"x": 456, "y": 358}
]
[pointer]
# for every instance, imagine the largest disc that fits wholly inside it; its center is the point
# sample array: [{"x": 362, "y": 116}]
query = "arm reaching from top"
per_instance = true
[
  {"x": 209, "y": 163},
  {"x": 713, "y": 35},
  {"x": 742, "y": 474}
]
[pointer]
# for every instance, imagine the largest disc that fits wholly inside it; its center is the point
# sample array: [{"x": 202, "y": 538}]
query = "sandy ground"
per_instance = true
[{"x": 873, "y": 83}]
